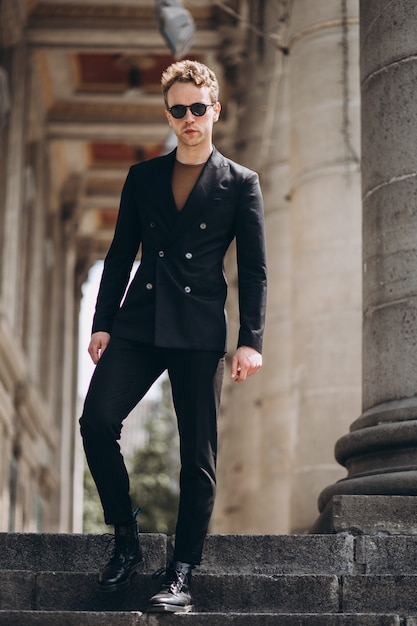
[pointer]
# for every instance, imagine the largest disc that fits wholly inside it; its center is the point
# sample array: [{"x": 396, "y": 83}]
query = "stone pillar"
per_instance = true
[
  {"x": 14, "y": 191},
  {"x": 38, "y": 207},
  {"x": 276, "y": 391},
  {"x": 54, "y": 363},
  {"x": 69, "y": 342},
  {"x": 299, "y": 128},
  {"x": 326, "y": 235},
  {"x": 256, "y": 425},
  {"x": 380, "y": 452}
]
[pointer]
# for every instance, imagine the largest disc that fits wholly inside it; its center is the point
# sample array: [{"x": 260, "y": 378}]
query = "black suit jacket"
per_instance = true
[{"x": 178, "y": 294}]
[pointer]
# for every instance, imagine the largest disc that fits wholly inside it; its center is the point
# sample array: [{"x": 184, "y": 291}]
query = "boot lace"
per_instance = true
[{"x": 174, "y": 580}]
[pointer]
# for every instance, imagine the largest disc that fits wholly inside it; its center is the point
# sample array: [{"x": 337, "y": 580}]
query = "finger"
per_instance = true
[
  {"x": 241, "y": 370},
  {"x": 93, "y": 352},
  {"x": 238, "y": 377},
  {"x": 242, "y": 374},
  {"x": 253, "y": 369},
  {"x": 245, "y": 370},
  {"x": 235, "y": 370},
  {"x": 94, "y": 357}
]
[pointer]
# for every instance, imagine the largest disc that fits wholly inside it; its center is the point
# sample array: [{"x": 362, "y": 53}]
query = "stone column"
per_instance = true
[
  {"x": 14, "y": 191},
  {"x": 326, "y": 231},
  {"x": 53, "y": 342},
  {"x": 71, "y": 294},
  {"x": 69, "y": 342},
  {"x": 38, "y": 214},
  {"x": 278, "y": 426},
  {"x": 380, "y": 452},
  {"x": 256, "y": 425}
]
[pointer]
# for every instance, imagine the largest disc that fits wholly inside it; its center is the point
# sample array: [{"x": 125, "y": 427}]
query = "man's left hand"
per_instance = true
[{"x": 246, "y": 362}]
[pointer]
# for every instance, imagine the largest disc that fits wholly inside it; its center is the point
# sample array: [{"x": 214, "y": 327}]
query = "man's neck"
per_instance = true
[{"x": 193, "y": 155}]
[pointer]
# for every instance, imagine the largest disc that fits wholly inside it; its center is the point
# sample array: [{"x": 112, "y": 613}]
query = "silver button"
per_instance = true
[
  {"x": 187, "y": 289},
  {"x": 188, "y": 255},
  {"x": 203, "y": 225},
  {"x": 161, "y": 253},
  {"x": 149, "y": 286}
]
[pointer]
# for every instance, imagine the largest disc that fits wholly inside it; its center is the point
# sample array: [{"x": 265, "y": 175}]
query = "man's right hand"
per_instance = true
[{"x": 98, "y": 343}]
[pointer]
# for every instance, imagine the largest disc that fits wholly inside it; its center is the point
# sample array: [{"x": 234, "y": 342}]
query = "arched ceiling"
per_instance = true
[{"x": 99, "y": 64}]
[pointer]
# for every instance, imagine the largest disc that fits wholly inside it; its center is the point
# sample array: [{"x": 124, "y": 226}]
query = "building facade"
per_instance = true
[{"x": 80, "y": 102}]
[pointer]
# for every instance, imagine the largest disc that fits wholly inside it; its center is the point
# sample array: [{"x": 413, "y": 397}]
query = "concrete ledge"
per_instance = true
[
  {"x": 369, "y": 515},
  {"x": 223, "y": 554},
  {"x": 17, "y": 589},
  {"x": 386, "y": 555},
  {"x": 278, "y": 554},
  {"x": 379, "y": 593},
  {"x": 225, "y": 593},
  {"x": 75, "y": 618},
  {"x": 71, "y": 553}
]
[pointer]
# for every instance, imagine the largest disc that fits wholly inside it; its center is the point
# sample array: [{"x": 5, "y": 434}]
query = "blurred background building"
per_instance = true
[{"x": 79, "y": 102}]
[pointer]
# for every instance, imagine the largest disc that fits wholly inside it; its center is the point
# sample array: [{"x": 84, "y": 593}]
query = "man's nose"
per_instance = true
[{"x": 189, "y": 117}]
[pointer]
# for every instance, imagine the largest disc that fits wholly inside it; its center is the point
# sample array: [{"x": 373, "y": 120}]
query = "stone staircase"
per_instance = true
[{"x": 289, "y": 580}]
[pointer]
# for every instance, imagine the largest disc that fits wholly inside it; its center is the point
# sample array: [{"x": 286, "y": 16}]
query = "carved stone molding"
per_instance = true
[
  {"x": 106, "y": 111},
  {"x": 88, "y": 14}
]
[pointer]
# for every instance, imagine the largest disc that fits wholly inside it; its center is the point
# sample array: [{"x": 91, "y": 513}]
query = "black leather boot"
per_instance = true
[
  {"x": 127, "y": 558},
  {"x": 174, "y": 596}
]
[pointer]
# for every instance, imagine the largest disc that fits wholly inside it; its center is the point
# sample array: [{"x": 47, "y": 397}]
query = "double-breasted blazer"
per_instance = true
[{"x": 177, "y": 296}]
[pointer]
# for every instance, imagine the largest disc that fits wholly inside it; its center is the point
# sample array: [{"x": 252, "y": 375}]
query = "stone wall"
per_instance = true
[
  {"x": 299, "y": 111},
  {"x": 291, "y": 92},
  {"x": 39, "y": 298}
]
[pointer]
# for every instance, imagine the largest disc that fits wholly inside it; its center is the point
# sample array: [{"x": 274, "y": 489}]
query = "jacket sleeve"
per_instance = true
[
  {"x": 119, "y": 259},
  {"x": 251, "y": 263}
]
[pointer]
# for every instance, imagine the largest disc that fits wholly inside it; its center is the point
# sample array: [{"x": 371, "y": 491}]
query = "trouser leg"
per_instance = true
[
  {"x": 196, "y": 381},
  {"x": 122, "y": 376}
]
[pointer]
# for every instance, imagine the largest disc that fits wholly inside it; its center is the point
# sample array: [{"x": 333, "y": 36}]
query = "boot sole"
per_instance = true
[
  {"x": 169, "y": 608},
  {"x": 122, "y": 585}
]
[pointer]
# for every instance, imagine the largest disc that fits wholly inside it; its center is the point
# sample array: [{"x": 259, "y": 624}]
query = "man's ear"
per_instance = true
[
  {"x": 217, "y": 108},
  {"x": 168, "y": 117}
]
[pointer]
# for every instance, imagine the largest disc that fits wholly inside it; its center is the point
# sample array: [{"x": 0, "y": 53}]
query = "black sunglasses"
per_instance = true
[{"x": 198, "y": 109}]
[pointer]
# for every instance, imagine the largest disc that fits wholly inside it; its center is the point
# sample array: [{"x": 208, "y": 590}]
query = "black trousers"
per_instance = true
[{"x": 123, "y": 375}]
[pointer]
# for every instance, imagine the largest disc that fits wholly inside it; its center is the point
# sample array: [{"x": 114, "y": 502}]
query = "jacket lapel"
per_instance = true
[
  {"x": 200, "y": 196},
  {"x": 163, "y": 205}
]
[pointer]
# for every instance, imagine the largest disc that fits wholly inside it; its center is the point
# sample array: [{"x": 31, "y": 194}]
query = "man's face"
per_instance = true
[{"x": 192, "y": 130}]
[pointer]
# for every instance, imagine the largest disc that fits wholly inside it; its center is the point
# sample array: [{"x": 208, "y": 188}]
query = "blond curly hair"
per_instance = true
[{"x": 190, "y": 72}]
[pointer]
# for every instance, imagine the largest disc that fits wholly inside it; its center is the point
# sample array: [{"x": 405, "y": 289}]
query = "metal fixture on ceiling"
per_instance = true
[{"x": 176, "y": 25}]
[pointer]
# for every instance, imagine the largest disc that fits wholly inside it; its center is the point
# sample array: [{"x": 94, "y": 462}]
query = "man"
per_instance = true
[{"x": 183, "y": 209}]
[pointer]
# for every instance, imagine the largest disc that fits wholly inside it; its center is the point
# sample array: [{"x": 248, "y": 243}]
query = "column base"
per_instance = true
[
  {"x": 379, "y": 453},
  {"x": 368, "y": 515}
]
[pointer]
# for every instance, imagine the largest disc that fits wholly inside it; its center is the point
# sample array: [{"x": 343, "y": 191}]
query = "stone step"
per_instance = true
[
  {"x": 82, "y": 618},
  {"x": 71, "y": 552},
  {"x": 341, "y": 554},
  {"x": 288, "y": 580},
  {"x": 70, "y": 591},
  {"x": 368, "y": 515}
]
